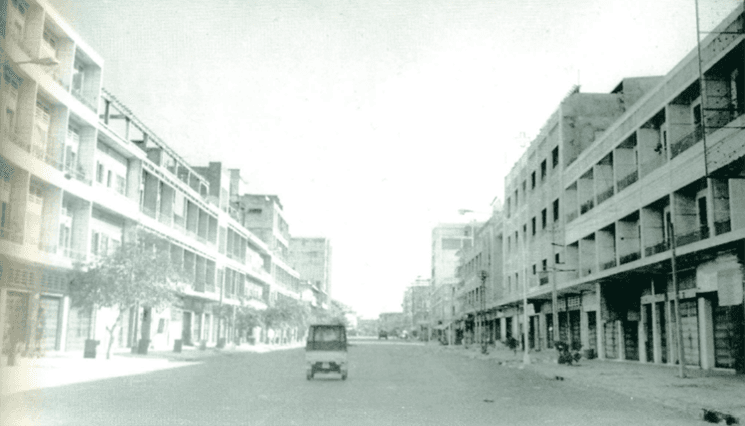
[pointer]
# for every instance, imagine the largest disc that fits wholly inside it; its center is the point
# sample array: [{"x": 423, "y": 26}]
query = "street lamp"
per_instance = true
[{"x": 483, "y": 275}]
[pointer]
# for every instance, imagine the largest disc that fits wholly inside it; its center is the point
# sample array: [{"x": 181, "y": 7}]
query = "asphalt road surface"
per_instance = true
[{"x": 390, "y": 383}]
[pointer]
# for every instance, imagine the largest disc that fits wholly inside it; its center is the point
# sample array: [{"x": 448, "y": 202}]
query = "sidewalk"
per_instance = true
[
  {"x": 59, "y": 369},
  {"x": 717, "y": 390}
]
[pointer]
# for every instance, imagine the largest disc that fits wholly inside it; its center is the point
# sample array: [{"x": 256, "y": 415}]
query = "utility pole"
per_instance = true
[
  {"x": 554, "y": 291},
  {"x": 678, "y": 325},
  {"x": 483, "y": 275}
]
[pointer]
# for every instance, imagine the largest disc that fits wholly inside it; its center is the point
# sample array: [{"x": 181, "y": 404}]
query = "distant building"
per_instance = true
[
  {"x": 416, "y": 307},
  {"x": 311, "y": 258}
]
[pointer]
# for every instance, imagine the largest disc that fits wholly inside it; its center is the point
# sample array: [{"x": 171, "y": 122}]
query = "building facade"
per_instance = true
[
  {"x": 622, "y": 197},
  {"x": 311, "y": 258},
  {"x": 416, "y": 308},
  {"x": 80, "y": 173}
]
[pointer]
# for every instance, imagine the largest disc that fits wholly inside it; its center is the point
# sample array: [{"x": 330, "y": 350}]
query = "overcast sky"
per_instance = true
[{"x": 372, "y": 120}]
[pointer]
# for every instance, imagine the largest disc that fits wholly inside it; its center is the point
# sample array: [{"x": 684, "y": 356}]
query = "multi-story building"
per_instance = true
[
  {"x": 416, "y": 307},
  {"x": 479, "y": 285},
  {"x": 311, "y": 258},
  {"x": 447, "y": 240},
  {"x": 622, "y": 195},
  {"x": 263, "y": 216},
  {"x": 79, "y": 172}
]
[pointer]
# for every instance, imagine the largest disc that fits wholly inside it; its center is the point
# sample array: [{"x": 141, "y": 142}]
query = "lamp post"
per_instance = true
[{"x": 482, "y": 294}]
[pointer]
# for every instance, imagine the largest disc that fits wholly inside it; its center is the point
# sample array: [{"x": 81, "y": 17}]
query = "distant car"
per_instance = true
[{"x": 382, "y": 334}]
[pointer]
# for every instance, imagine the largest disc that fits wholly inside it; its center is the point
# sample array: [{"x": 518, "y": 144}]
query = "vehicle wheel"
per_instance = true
[
  {"x": 309, "y": 375},
  {"x": 344, "y": 376}
]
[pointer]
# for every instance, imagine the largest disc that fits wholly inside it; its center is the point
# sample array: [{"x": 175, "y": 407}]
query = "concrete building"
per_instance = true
[
  {"x": 416, "y": 307},
  {"x": 447, "y": 240},
  {"x": 479, "y": 285},
  {"x": 311, "y": 258},
  {"x": 612, "y": 184},
  {"x": 80, "y": 171}
]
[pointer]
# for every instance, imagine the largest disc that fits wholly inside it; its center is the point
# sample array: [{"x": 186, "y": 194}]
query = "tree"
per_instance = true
[{"x": 137, "y": 273}]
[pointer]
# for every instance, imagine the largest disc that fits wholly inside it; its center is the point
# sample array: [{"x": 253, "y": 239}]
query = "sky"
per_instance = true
[{"x": 373, "y": 120}]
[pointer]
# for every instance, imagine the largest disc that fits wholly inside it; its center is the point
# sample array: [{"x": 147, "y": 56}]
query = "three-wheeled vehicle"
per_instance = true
[{"x": 326, "y": 350}]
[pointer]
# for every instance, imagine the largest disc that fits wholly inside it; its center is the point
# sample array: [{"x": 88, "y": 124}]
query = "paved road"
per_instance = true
[{"x": 389, "y": 384}]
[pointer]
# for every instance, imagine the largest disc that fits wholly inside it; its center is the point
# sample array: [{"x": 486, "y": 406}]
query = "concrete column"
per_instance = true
[
  {"x": 64, "y": 315},
  {"x": 584, "y": 329},
  {"x": 600, "y": 322},
  {"x": 543, "y": 329},
  {"x": 3, "y": 304},
  {"x": 706, "y": 333},
  {"x": 656, "y": 334},
  {"x": 502, "y": 328},
  {"x": 641, "y": 332},
  {"x": 619, "y": 338},
  {"x": 672, "y": 340}
]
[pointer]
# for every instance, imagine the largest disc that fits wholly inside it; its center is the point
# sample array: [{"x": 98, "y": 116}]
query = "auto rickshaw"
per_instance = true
[{"x": 326, "y": 350}]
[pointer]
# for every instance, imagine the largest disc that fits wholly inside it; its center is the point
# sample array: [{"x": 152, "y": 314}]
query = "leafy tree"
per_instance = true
[{"x": 137, "y": 273}]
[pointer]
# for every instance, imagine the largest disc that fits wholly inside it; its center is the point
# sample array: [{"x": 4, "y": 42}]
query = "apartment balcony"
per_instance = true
[
  {"x": 605, "y": 195},
  {"x": 687, "y": 141},
  {"x": 608, "y": 265},
  {"x": 657, "y": 248},
  {"x": 586, "y": 207},
  {"x": 73, "y": 254},
  {"x": 628, "y": 258},
  {"x": 90, "y": 102},
  {"x": 77, "y": 172},
  {"x": 627, "y": 180},
  {"x": 12, "y": 233},
  {"x": 15, "y": 138},
  {"x": 692, "y": 237},
  {"x": 16, "y": 39},
  {"x": 722, "y": 227}
]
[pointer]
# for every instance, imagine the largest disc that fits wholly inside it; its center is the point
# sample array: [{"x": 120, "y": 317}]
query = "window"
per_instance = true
[
  {"x": 121, "y": 185},
  {"x": 556, "y": 259},
  {"x": 556, "y": 209},
  {"x": 697, "y": 114},
  {"x": 525, "y": 230},
  {"x": 516, "y": 199},
  {"x": 736, "y": 92},
  {"x": 99, "y": 173},
  {"x": 78, "y": 79},
  {"x": 94, "y": 242},
  {"x": 543, "y": 170},
  {"x": 544, "y": 265},
  {"x": 525, "y": 187},
  {"x": 555, "y": 157},
  {"x": 703, "y": 217},
  {"x": 108, "y": 179},
  {"x": 254, "y": 211},
  {"x": 534, "y": 269},
  {"x": 533, "y": 224},
  {"x": 544, "y": 215},
  {"x": 532, "y": 180},
  {"x": 509, "y": 206}
]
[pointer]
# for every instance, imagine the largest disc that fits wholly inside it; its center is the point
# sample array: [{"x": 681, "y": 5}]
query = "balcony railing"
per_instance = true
[
  {"x": 543, "y": 280},
  {"x": 692, "y": 237},
  {"x": 73, "y": 254},
  {"x": 571, "y": 216},
  {"x": 78, "y": 173},
  {"x": 722, "y": 227},
  {"x": 165, "y": 219},
  {"x": 628, "y": 180},
  {"x": 687, "y": 141},
  {"x": 627, "y": 258},
  {"x": 586, "y": 207},
  {"x": 90, "y": 103},
  {"x": 42, "y": 154},
  {"x": 16, "y": 138},
  {"x": 657, "y": 248},
  {"x": 12, "y": 233},
  {"x": 148, "y": 211},
  {"x": 608, "y": 265},
  {"x": 605, "y": 195}
]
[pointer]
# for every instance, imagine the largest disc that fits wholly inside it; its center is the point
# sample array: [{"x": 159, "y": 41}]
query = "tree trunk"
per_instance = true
[
  {"x": 111, "y": 331},
  {"x": 147, "y": 319}
]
